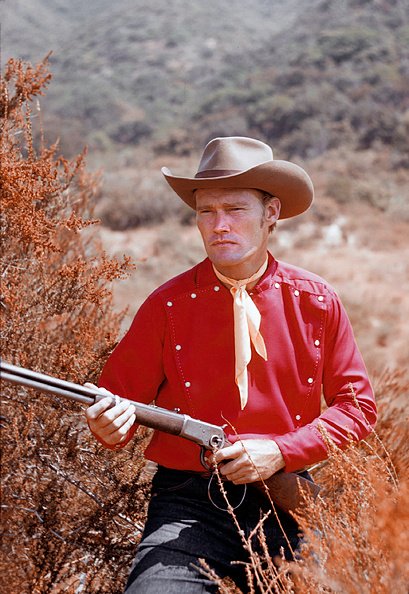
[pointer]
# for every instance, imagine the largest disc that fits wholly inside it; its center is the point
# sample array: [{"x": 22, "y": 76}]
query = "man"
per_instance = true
[{"x": 239, "y": 339}]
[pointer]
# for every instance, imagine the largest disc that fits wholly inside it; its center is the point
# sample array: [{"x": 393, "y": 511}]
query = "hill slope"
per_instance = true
[{"x": 306, "y": 76}]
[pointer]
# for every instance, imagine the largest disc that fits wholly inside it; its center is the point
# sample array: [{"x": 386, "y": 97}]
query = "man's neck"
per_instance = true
[{"x": 247, "y": 272}]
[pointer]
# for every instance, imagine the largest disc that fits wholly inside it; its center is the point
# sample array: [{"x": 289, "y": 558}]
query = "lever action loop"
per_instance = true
[{"x": 209, "y": 487}]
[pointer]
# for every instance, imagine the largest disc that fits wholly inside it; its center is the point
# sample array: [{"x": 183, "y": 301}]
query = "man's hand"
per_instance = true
[
  {"x": 110, "y": 423},
  {"x": 250, "y": 460}
]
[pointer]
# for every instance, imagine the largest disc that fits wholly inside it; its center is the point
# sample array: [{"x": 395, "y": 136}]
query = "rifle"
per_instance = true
[{"x": 288, "y": 490}]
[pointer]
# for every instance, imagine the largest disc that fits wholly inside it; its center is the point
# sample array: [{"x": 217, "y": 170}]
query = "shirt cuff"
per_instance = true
[{"x": 301, "y": 447}]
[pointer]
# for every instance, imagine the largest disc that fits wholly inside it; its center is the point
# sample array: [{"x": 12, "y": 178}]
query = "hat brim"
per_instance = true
[{"x": 287, "y": 181}]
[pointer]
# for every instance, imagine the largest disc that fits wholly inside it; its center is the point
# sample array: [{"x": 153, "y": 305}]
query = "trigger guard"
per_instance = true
[{"x": 203, "y": 460}]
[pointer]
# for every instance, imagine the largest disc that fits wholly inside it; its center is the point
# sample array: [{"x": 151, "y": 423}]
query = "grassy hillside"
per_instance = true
[
  {"x": 124, "y": 72},
  {"x": 146, "y": 84},
  {"x": 340, "y": 76},
  {"x": 305, "y": 76}
]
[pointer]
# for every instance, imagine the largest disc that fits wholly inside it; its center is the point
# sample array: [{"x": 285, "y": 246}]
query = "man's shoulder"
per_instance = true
[
  {"x": 181, "y": 283},
  {"x": 303, "y": 279}
]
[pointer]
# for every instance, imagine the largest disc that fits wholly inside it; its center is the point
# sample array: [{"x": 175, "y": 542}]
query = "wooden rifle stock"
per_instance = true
[
  {"x": 286, "y": 489},
  {"x": 289, "y": 490}
]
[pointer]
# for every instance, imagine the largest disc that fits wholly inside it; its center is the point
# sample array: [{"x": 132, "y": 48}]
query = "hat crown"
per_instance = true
[
  {"x": 224, "y": 156},
  {"x": 241, "y": 162}
]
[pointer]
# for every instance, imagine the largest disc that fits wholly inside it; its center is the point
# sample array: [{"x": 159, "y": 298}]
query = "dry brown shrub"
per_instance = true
[
  {"x": 138, "y": 198},
  {"x": 71, "y": 511},
  {"x": 357, "y": 536}
]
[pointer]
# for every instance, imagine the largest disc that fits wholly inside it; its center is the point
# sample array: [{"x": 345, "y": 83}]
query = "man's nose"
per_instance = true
[{"x": 221, "y": 223}]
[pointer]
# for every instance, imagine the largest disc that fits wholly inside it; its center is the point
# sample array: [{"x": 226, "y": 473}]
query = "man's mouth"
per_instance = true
[{"x": 222, "y": 242}]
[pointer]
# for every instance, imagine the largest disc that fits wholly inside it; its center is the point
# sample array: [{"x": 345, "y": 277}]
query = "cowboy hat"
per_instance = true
[{"x": 240, "y": 162}]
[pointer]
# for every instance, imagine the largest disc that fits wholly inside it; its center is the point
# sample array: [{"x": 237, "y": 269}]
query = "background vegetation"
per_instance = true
[
  {"x": 145, "y": 85},
  {"x": 306, "y": 76}
]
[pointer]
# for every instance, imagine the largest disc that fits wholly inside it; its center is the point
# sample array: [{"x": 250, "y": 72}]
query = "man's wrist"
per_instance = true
[{"x": 278, "y": 461}]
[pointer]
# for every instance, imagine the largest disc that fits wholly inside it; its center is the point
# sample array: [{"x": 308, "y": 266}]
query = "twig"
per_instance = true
[{"x": 35, "y": 512}]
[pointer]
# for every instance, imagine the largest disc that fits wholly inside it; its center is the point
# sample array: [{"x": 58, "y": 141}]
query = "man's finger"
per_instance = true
[
  {"x": 229, "y": 452},
  {"x": 119, "y": 435},
  {"x": 112, "y": 414},
  {"x": 233, "y": 466},
  {"x": 119, "y": 420},
  {"x": 95, "y": 410},
  {"x": 243, "y": 479}
]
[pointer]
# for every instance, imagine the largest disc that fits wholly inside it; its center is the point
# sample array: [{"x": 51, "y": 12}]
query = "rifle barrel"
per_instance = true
[
  {"x": 148, "y": 415},
  {"x": 47, "y": 383},
  {"x": 44, "y": 387}
]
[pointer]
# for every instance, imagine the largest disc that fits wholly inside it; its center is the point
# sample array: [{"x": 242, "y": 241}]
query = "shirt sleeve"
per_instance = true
[
  {"x": 134, "y": 370},
  {"x": 351, "y": 412}
]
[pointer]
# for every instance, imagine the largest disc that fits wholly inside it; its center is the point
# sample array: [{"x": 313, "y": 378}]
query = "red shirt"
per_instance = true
[{"x": 179, "y": 351}]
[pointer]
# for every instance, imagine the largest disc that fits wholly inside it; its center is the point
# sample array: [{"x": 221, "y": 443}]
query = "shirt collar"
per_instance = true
[{"x": 205, "y": 275}]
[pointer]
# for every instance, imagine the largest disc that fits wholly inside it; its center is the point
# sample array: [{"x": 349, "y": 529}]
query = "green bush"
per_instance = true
[{"x": 345, "y": 43}]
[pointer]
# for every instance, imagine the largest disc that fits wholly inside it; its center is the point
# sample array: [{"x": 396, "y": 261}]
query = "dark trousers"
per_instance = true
[{"x": 183, "y": 526}]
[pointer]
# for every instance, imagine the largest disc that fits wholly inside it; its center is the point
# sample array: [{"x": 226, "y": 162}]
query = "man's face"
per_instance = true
[{"x": 234, "y": 225}]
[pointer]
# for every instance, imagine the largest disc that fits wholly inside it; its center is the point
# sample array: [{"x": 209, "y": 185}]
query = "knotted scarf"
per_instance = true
[{"x": 247, "y": 319}]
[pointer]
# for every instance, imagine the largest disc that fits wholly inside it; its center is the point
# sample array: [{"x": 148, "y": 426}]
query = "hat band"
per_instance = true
[{"x": 216, "y": 172}]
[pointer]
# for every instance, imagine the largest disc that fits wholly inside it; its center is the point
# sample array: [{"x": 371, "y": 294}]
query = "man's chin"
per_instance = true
[{"x": 225, "y": 260}]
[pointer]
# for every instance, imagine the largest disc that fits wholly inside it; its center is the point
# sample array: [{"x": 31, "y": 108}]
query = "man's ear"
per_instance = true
[{"x": 272, "y": 210}]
